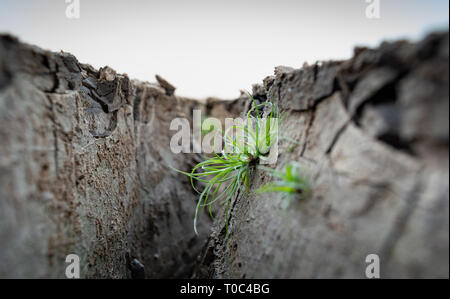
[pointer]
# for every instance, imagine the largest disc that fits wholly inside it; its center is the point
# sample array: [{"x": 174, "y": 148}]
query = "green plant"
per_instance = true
[
  {"x": 293, "y": 182},
  {"x": 225, "y": 173},
  {"x": 290, "y": 149}
]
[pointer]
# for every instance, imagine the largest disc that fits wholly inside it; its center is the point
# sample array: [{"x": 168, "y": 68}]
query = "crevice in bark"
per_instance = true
[
  {"x": 410, "y": 200},
  {"x": 336, "y": 138},
  {"x": 119, "y": 207}
]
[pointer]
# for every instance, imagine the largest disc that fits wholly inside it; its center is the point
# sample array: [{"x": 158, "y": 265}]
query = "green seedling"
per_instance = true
[
  {"x": 292, "y": 182},
  {"x": 228, "y": 172}
]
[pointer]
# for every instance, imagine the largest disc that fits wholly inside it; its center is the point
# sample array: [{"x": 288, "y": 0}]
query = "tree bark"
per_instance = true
[
  {"x": 373, "y": 134},
  {"x": 84, "y": 162},
  {"x": 84, "y": 158}
]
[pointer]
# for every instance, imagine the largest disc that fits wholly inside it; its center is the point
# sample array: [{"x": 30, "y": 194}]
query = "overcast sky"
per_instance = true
[{"x": 214, "y": 48}]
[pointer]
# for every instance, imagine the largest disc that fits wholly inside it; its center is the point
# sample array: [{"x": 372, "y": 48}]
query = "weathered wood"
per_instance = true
[
  {"x": 373, "y": 132},
  {"x": 83, "y": 157}
]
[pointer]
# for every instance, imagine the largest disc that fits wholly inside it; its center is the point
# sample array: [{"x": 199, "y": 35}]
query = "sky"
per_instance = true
[{"x": 215, "y": 48}]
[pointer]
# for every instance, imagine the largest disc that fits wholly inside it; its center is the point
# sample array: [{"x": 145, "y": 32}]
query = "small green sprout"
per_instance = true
[
  {"x": 226, "y": 173},
  {"x": 293, "y": 182}
]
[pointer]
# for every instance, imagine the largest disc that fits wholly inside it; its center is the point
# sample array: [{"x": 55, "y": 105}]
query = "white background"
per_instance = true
[{"x": 214, "y": 48}]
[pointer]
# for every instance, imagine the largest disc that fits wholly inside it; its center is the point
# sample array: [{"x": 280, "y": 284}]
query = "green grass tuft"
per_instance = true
[
  {"x": 226, "y": 173},
  {"x": 293, "y": 182}
]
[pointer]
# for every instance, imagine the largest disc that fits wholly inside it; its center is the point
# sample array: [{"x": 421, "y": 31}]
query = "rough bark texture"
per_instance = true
[
  {"x": 373, "y": 133},
  {"x": 83, "y": 169},
  {"x": 84, "y": 155}
]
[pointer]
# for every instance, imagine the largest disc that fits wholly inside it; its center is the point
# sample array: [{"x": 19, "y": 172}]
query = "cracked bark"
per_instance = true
[
  {"x": 371, "y": 194},
  {"x": 82, "y": 171}
]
